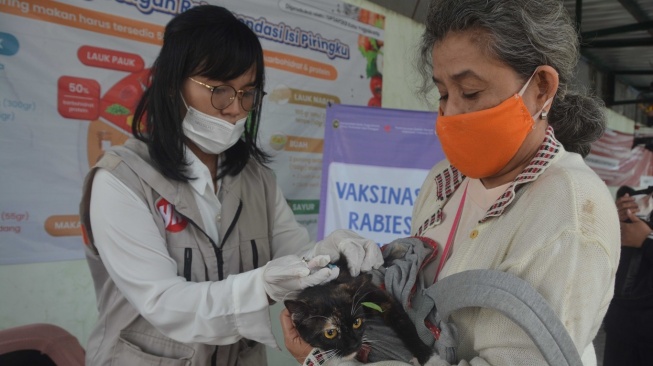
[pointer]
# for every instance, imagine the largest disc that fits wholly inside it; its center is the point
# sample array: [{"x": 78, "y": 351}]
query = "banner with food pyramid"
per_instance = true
[{"x": 72, "y": 72}]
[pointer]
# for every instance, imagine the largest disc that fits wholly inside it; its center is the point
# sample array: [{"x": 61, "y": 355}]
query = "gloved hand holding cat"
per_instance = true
[
  {"x": 362, "y": 254},
  {"x": 284, "y": 277}
]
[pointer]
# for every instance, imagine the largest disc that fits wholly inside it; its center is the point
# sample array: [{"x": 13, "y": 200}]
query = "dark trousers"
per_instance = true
[
  {"x": 620, "y": 351},
  {"x": 628, "y": 336}
]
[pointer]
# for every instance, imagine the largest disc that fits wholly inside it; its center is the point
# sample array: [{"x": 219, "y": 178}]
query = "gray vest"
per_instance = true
[{"x": 122, "y": 336}]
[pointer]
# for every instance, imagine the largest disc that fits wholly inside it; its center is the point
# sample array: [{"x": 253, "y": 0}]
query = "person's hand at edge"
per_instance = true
[
  {"x": 625, "y": 203},
  {"x": 294, "y": 343},
  {"x": 635, "y": 232}
]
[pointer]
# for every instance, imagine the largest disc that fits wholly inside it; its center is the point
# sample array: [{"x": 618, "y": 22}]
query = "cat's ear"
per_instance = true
[{"x": 296, "y": 308}]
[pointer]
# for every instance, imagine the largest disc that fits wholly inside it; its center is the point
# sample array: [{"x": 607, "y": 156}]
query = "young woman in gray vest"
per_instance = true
[{"x": 189, "y": 238}]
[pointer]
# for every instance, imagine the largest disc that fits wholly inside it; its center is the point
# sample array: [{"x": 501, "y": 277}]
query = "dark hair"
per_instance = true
[
  {"x": 524, "y": 34},
  {"x": 209, "y": 41}
]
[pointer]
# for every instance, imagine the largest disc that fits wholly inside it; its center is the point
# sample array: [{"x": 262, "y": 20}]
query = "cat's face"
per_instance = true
[{"x": 330, "y": 317}]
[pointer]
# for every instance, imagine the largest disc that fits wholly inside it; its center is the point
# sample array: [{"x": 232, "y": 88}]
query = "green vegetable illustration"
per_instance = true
[{"x": 118, "y": 110}]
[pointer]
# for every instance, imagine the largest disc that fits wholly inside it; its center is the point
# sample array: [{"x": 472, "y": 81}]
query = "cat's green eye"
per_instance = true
[
  {"x": 330, "y": 333},
  {"x": 357, "y": 323}
]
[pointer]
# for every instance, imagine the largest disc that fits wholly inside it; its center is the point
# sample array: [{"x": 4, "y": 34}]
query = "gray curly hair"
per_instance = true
[{"x": 524, "y": 34}]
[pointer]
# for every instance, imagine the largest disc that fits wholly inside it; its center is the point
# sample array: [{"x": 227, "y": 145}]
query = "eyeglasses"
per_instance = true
[{"x": 223, "y": 95}]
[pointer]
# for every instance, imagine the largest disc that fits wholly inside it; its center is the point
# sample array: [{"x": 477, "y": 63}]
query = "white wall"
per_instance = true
[{"x": 60, "y": 293}]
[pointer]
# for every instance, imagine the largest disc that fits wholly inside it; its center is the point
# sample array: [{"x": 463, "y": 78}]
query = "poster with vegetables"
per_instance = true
[
  {"x": 72, "y": 72},
  {"x": 372, "y": 50},
  {"x": 331, "y": 53}
]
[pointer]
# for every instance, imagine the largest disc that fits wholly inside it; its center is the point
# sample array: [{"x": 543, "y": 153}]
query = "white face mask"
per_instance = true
[{"x": 212, "y": 135}]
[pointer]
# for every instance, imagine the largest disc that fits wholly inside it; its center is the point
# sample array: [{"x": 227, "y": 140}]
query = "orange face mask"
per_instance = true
[{"x": 480, "y": 144}]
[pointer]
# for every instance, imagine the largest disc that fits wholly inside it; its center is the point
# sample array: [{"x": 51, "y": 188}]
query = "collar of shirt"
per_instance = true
[
  {"x": 450, "y": 179},
  {"x": 200, "y": 172},
  {"x": 548, "y": 150}
]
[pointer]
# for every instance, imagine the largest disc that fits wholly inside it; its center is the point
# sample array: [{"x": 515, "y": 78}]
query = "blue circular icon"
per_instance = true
[{"x": 8, "y": 44}]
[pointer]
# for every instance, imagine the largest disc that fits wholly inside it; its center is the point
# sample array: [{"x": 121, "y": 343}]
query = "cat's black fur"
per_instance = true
[{"x": 337, "y": 306}]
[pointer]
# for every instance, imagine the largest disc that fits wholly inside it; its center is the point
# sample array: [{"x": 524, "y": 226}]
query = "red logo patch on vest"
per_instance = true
[{"x": 174, "y": 222}]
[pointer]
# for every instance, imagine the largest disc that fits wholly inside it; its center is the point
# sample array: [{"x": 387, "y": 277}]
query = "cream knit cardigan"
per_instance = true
[{"x": 561, "y": 234}]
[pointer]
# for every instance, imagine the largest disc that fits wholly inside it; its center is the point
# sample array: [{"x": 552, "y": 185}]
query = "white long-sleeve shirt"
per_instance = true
[{"x": 135, "y": 255}]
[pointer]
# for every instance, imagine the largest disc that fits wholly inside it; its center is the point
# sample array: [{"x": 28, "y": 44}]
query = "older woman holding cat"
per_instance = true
[{"x": 514, "y": 193}]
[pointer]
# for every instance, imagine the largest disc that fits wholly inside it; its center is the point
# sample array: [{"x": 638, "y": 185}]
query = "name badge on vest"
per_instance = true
[{"x": 173, "y": 221}]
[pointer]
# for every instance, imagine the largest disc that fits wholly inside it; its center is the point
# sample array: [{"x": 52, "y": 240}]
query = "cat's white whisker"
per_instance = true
[
  {"x": 285, "y": 297},
  {"x": 356, "y": 302},
  {"x": 317, "y": 316},
  {"x": 354, "y": 305},
  {"x": 331, "y": 355},
  {"x": 328, "y": 355},
  {"x": 356, "y": 294},
  {"x": 316, "y": 332}
]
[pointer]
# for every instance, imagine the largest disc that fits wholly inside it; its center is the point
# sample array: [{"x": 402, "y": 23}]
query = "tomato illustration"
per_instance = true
[
  {"x": 374, "y": 102},
  {"x": 368, "y": 17},
  {"x": 376, "y": 85},
  {"x": 364, "y": 16},
  {"x": 129, "y": 94},
  {"x": 364, "y": 43}
]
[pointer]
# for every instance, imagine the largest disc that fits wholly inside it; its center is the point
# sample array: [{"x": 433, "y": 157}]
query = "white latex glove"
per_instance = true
[
  {"x": 362, "y": 254},
  {"x": 284, "y": 277}
]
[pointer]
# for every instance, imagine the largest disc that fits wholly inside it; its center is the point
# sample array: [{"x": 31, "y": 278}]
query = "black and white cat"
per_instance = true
[{"x": 332, "y": 316}]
